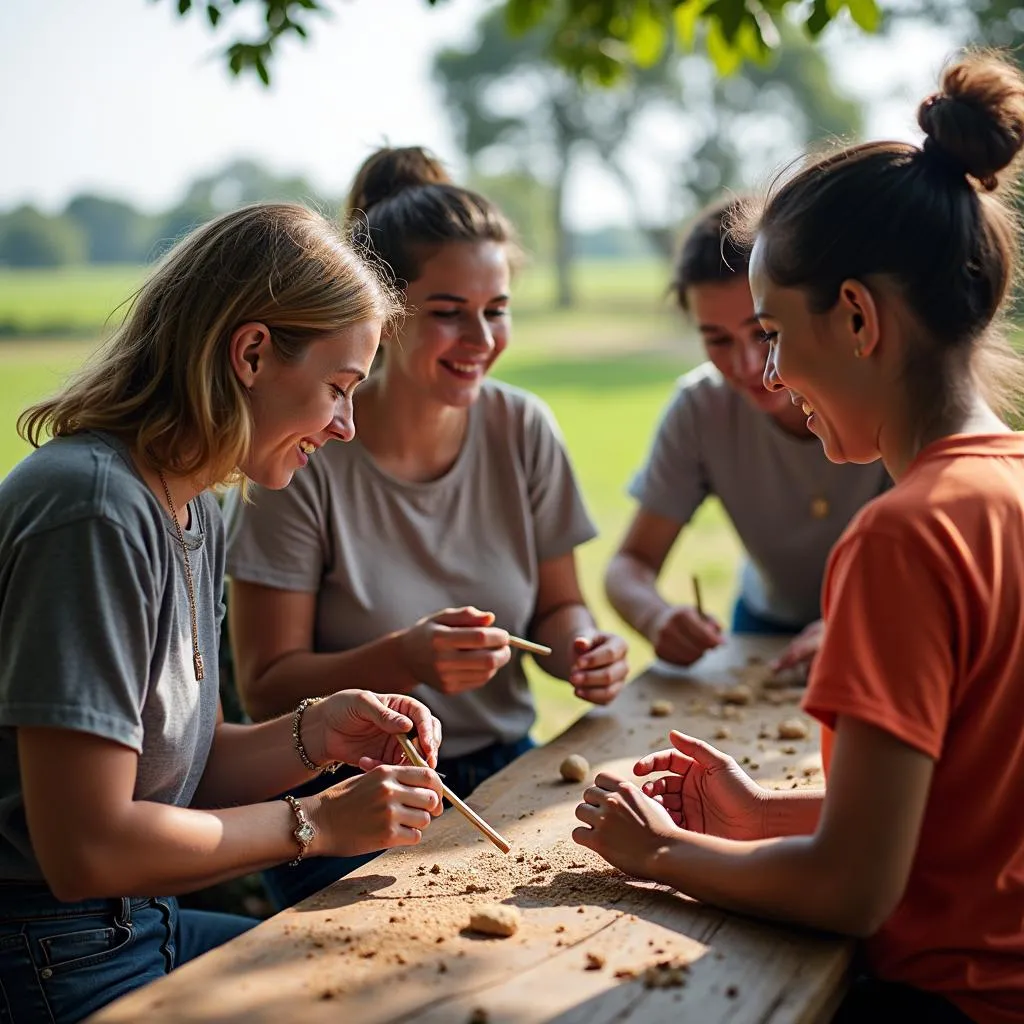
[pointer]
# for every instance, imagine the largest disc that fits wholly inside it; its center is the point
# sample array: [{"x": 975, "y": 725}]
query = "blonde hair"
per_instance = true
[{"x": 164, "y": 382}]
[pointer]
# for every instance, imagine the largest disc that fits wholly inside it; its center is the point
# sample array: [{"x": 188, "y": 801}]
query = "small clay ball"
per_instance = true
[
  {"x": 574, "y": 768},
  {"x": 661, "y": 708},
  {"x": 495, "y": 919},
  {"x": 739, "y": 694},
  {"x": 793, "y": 729}
]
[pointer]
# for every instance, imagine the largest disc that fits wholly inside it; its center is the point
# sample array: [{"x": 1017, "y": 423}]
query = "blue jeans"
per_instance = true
[
  {"x": 287, "y": 885},
  {"x": 60, "y": 962},
  {"x": 746, "y": 621}
]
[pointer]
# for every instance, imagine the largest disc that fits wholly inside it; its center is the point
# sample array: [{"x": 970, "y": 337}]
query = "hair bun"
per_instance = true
[
  {"x": 977, "y": 120},
  {"x": 389, "y": 171}
]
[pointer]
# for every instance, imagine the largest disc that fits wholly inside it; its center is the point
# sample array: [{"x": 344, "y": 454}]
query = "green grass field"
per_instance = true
[{"x": 606, "y": 370}]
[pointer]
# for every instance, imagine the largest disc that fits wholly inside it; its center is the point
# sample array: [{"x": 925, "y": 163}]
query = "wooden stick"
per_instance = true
[
  {"x": 696, "y": 597},
  {"x": 464, "y": 809},
  {"x": 527, "y": 645}
]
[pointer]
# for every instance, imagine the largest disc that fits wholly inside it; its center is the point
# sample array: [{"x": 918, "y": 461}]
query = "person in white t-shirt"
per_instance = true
[
  {"x": 457, "y": 495},
  {"x": 723, "y": 433}
]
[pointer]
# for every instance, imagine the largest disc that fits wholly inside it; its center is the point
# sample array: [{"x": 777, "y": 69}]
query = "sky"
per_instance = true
[{"x": 124, "y": 98}]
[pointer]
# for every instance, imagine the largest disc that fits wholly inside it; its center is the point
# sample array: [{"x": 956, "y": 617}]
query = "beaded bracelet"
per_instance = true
[{"x": 297, "y": 739}]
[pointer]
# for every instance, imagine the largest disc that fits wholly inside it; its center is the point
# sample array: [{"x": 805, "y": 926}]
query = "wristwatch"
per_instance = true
[{"x": 304, "y": 832}]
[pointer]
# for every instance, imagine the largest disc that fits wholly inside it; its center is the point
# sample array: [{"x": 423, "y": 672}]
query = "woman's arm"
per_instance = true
[
  {"x": 848, "y": 876},
  {"x": 593, "y": 661},
  {"x": 677, "y": 632},
  {"x": 275, "y": 667},
  {"x": 93, "y": 839},
  {"x": 249, "y": 763},
  {"x": 271, "y": 630}
]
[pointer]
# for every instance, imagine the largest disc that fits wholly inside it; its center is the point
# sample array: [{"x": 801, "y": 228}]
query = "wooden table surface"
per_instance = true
[{"x": 390, "y": 942}]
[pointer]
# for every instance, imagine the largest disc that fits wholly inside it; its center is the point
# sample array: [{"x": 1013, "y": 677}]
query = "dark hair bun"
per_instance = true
[
  {"x": 389, "y": 171},
  {"x": 977, "y": 121}
]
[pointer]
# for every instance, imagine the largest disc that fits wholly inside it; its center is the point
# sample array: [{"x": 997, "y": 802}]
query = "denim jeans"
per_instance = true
[
  {"x": 746, "y": 621},
  {"x": 60, "y": 962},
  {"x": 287, "y": 885}
]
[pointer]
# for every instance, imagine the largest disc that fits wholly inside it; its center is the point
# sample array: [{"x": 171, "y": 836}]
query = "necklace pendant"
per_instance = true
[
  {"x": 819, "y": 508},
  {"x": 197, "y": 664}
]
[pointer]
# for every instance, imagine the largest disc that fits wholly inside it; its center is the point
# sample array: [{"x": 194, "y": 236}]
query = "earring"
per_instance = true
[{"x": 858, "y": 352}]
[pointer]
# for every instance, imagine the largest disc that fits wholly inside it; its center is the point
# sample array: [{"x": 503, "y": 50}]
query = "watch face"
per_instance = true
[{"x": 305, "y": 833}]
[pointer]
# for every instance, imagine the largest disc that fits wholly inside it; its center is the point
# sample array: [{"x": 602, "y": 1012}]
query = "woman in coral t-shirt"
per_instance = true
[{"x": 878, "y": 274}]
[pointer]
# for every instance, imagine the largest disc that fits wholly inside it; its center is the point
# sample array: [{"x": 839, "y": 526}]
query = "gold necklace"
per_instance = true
[
  {"x": 197, "y": 656},
  {"x": 819, "y": 505}
]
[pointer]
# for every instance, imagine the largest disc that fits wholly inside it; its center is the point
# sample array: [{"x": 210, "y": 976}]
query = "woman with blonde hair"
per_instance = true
[
  {"x": 120, "y": 783},
  {"x": 406, "y": 559}
]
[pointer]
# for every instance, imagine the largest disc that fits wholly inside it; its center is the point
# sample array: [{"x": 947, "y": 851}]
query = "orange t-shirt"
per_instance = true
[{"x": 924, "y": 610}]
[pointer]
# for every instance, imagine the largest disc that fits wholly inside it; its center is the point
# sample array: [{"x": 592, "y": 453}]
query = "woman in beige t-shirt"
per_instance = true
[{"x": 457, "y": 494}]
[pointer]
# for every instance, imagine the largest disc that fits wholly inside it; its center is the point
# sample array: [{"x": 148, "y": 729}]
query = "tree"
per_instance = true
[
  {"x": 29, "y": 238},
  {"x": 599, "y": 41},
  {"x": 505, "y": 95},
  {"x": 514, "y": 111},
  {"x": 114, "y": 231},
  {"x": 238, "y": 183}
]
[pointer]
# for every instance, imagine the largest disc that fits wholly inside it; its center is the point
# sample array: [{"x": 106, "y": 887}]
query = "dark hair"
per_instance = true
[
  {"x": 709, "y": 253},
  {"x": 403, "y": 205},
  {"x": 930, "y": 219}
]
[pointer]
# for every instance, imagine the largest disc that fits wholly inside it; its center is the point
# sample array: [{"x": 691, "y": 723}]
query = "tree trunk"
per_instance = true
[
  {"x": 565, "y": 297},
  {"x": 564, "y": 140}
]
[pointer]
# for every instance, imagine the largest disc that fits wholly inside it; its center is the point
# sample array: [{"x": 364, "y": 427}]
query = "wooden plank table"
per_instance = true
[{"x": 389, "y": 943}]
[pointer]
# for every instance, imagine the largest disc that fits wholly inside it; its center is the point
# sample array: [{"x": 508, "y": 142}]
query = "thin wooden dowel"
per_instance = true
[
  {"x": 527, "y": 645},
  {"x": 463, "y": 808},
  {"x": 697, "y": 599}
]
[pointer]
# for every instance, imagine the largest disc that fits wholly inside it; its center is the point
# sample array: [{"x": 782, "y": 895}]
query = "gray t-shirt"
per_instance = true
[
  {"x": 712, "y": 441},
  {"x": 381, "y": 553},
  {"x": 94, "y": 622}
]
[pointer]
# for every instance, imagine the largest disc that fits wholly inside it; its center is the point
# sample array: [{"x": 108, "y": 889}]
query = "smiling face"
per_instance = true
[
  {"x": 299, "y": 406},
  {"x": 458, "y": 322},
  {"x": 733, "y": 338},
  {"x": 822, "y": 362}
]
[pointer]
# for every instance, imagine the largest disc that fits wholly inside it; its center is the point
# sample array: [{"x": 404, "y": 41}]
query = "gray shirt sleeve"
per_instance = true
[
  {"x": 674, "y": 480},
  {"x": 280, "y": 538},
  {"x": 80, "y": 657},
  {"x": 560, "y": 517}
]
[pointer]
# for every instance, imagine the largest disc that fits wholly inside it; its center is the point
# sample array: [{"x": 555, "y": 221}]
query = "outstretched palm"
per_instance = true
[{"x": 707, "y": 791}]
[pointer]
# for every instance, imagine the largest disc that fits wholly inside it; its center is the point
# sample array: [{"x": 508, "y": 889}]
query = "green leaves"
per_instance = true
[
  {"x": 282, "y": 18},
  {"x": 865, "y": 13},
  {"x": 599, "y": 41}
]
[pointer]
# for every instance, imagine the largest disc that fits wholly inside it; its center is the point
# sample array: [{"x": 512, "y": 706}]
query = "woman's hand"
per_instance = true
[
  {"x": 803, "y": 648},
  {"x": 599, "y": 668},
  {"x": 680, "y": 635},
  {"x": 455, "y": 650},
  {"x": 707, "y": 791},
  {"x": 388, "y": 806},
  {"x": 360, "y": 728},
  {"x": 623, "y": 825}
]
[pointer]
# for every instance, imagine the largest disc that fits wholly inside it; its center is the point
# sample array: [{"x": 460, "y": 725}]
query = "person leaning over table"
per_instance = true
[
  {"x": 120, "y": 782},
  {"x": 725, "y": 434},
  {"x": 880, "y": 273},
  {"x": 458, "y": 495}
]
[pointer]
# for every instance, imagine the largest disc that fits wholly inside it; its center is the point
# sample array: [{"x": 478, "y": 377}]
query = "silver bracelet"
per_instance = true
[
  {"x": 297, "y": 738},
  {"x": 304, "y": 832}
]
